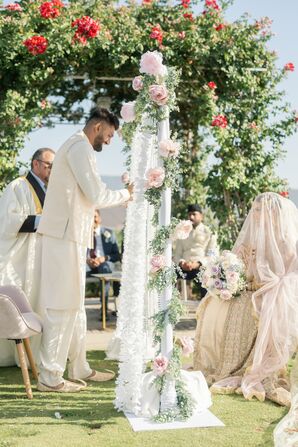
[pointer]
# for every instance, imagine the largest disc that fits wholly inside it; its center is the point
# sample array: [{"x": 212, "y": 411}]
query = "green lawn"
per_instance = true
[{"x": 89, "y": 419}]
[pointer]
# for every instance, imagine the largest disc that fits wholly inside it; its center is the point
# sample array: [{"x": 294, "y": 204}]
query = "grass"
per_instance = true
[{"x": 89, "y": 419}]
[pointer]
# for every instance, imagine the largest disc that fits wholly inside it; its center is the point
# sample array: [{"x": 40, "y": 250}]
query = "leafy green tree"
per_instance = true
[{"x": 226, "y": 69}]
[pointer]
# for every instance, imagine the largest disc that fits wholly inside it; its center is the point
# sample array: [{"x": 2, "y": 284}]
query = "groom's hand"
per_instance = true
[{"x": 130, "y": 189}]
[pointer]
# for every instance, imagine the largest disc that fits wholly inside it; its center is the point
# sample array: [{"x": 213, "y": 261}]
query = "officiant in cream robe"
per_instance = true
[
  {"x": 20, "y": 208},
  {"x": 74, "y": 191}
]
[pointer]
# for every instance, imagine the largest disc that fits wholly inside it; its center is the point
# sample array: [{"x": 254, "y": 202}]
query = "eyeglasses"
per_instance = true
[{"x": 47, "y": 163}]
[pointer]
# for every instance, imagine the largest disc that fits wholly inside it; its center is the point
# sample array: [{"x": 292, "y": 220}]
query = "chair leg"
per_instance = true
[
  {"x": 26, "y": 342},
  {"x": 23, "y": 364}
]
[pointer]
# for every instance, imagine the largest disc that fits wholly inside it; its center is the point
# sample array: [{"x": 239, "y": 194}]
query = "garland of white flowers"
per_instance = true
[{"x": 156, "y": 100}]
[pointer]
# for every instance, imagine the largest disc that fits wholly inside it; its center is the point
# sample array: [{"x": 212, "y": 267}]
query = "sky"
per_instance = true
[{"x": 284, "y": 15}]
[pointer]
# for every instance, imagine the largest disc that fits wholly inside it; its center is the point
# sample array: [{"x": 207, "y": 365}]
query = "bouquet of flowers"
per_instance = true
[{"x": 223, "y": 275}]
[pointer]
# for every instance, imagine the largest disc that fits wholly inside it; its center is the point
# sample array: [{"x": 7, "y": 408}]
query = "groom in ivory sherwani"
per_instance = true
[{"x": 75, "y": 190}]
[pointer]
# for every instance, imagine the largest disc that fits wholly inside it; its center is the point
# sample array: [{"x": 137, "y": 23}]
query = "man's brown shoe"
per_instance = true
[{"x": 97, "y": 376}]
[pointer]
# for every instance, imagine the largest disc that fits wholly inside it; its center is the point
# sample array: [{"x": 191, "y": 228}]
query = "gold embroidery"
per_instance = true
[{"x": 38, "y": 207}]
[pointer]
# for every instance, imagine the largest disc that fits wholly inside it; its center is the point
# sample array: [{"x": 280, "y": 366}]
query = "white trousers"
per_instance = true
[
  {"x": 64, "y": 326},
  {"x": 64, "y": 337}
]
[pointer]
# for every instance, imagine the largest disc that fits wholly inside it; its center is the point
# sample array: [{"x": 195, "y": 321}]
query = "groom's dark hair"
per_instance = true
[{"x": 101, "y": 114}]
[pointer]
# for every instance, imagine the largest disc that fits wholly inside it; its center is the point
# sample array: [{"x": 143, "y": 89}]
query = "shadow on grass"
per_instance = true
[{"x": 91, "y": 408}]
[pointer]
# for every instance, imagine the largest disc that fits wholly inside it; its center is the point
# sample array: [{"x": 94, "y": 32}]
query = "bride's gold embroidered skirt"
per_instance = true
[{"x": 225, "y": 337}]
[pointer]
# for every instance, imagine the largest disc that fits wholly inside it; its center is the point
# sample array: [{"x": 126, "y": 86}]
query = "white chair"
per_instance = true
[{"x": 18, "y": 322}]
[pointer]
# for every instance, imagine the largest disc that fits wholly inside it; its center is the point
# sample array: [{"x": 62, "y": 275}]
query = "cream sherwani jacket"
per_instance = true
[
  {"x": 74, "y": 191},
  {"x": 196, "y": 247}
]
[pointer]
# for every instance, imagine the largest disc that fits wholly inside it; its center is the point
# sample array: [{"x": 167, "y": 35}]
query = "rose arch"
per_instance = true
[{"x": 53, "y": 55}]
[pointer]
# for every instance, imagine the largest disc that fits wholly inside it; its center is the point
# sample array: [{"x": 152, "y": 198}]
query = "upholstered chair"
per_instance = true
[{"x": 18, "y": 322}]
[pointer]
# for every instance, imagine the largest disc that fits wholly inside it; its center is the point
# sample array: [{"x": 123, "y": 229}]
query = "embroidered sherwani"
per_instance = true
[
  {"x": 74, "y": 191},
  {"x": 20, "y": 203}
]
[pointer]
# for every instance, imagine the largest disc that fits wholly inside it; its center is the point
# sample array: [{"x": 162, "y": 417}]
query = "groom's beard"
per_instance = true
[
  {"x": 98, "y": 147},
  {"x": 98, "y": 142}
]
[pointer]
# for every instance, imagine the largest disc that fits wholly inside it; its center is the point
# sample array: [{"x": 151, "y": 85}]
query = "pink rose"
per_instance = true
[
  {"x": 187, "y": 346},
  {"x": 125, "y": 178},
  {"x": 225, "y": 295},
  {"x": 137, "y": 83},
  {"x": 155, "y": 177},
  {"x": 158, "y": 94},
  {"x": 182, "y": 35},
  {"x": 169, "y": 148},
  {"x": 151, "y": 63},
  {"x": 160, "y": 365},
  {"x": 157, "y": 263},
  {"x": 128, "y": 111},
  {"x": 182, "y": 230}
]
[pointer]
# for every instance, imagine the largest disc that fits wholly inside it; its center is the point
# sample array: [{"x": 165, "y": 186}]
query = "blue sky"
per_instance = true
[{"x": 284, "y": 16}]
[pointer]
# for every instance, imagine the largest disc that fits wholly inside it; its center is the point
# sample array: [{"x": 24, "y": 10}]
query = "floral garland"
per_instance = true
[{"x": 156, "y": 99}]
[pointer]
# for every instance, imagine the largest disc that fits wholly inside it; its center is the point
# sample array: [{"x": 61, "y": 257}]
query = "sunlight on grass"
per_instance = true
[{"x": 89, "y": 419}]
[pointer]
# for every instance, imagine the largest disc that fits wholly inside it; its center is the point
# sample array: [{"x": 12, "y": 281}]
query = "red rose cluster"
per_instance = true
[
  {"x": 14, "y": 7},
  {"x": 219, "y": 121},
  {"x": 212, "y": 4},
  {"x": 185, "y": 3},
  {"x": 188, "y": 16},
  {"x": 36, "y": 44},
  {"x": 50, "y": 10},
  {"x": 212, "y": 85},
  {"x": 289, "y": 67},
  {"x": 156, "y": 34},
  {"x": 284, "y": 194},
  {"x": 87, "y": 28}
]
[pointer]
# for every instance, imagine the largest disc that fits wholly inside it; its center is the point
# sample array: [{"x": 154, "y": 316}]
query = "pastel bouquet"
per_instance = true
[{"x": 223, "y": 275}]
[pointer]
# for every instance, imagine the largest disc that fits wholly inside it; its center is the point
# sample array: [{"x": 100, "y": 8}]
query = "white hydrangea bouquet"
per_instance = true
[{"x": 223, "y": 275}]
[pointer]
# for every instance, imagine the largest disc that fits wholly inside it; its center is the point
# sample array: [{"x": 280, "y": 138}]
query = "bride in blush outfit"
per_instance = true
[{"x": 243, "y": 345}]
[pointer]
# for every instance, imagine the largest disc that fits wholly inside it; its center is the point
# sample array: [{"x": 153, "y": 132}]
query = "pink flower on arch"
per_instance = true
[
  {"x": 158, "y": 94},
  {"x": 289, "y": 67},
  {"x": 169, "y": 148},
  {"x": 157, "y": 263},
  {"x": 137, "y": 83},
  {"x": 155, "y": 177},
  {"x": 128, "y": 111},
  {"x": 219, "y": 121},
  {"x": 160, "y": 365},
  {"x": 181, "y": 35},
  {"x": 151, "y": 63}
]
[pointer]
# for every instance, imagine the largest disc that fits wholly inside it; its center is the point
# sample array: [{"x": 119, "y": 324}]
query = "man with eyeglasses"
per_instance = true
[{"x": 21, "y": 205}]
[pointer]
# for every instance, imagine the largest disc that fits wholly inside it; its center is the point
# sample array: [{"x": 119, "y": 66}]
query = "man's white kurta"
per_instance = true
[{"x": 19, "y": 252}]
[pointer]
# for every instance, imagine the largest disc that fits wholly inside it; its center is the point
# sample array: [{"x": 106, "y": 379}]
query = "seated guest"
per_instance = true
[
  {"x": 190, "y": 253},
  {"x": 242, "y": 345},
  {"x": 101, "y": 258}
]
